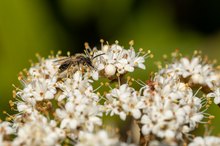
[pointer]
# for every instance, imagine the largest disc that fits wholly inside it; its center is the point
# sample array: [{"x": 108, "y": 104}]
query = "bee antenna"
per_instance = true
[{"x": 98, "y": 55}]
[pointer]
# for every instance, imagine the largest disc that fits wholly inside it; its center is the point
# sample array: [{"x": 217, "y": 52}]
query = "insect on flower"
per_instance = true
[{"x": 80, "y": 60}]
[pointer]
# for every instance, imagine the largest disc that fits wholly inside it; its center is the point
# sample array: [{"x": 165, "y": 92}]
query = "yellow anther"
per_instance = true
[
  {"x": 141, "y": 49},
  {"x": 59, "y": 52},
  {"x": 195, "y": 52},
  {"x": 98, "y": 93},
  {"x": 11, "y": 103},
  {"x": 101, "y": 41},
  {"x": 106, "y": 83},
  {"x": 131, "y": 43},
  {"x": 128, "y": 78},
  {"x": 8, "y": 118},
  {"x": 68, "y": 53},
  {"x": 86, "y": 44},
  {"x": 165, "y": 56},
  {"x": 14, "y": 93}
]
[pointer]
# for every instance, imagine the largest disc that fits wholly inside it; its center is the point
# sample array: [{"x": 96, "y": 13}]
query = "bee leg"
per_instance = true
[
  {"x": 68, "y": 74},
  {"x": 82, "y": 68}
]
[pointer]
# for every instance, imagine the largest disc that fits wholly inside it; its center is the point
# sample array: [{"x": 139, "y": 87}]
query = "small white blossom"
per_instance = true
[
  {"x": 6, "y": 128},
  {"x": 162, "y": 143},
  {"x": 39, "y": 132},
  {"x": 110, "y": 70},
  {"x": 100, "y": 138},
  {"x": 206, "y": 141},
  {"x": 124, "y": 101},
  {"x": 198, "y": 71},
  {"x": 216, "y": 95},
  {"x": 81, "y": 110},
  {"x": 169, "y": 107},
  {"x": 118, "y": 60},
  {"x": 6, "y": 131},
  {"x": 56, "y": 108}
]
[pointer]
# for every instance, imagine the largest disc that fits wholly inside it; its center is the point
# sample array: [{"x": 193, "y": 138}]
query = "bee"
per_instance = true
[{"x": 78, "y": 60}]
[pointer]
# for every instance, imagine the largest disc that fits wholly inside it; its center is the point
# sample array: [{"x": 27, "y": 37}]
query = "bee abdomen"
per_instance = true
[{"x": 64, "y": 66}]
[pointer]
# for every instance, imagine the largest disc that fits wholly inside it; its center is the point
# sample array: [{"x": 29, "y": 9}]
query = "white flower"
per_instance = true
[
  {"x": 124, "y": 101},
  {"x": 206, "y": 141},
  {"x": 39, "y": 132},
  {"x": 196, "y": 72},
  {"x": 189, "y": 67},
  {"x": 79, "y": 115},
  {"x": 4, "y": 142},
  {"x": 110, "y": 70},
  {"x": 118, "y": 60},
  {"x": 37, "y": 90},
  {"x": 45, "y": 68},
  {"x": 216, "y": 95},
  {"x": 139, "y": 62},
  {"x": 170, "y": 108},
  {"x": 25, "y": 107},
  {"x": 6, "y": 130},
  {"x": 101, "y": 138},
  {"x": 63, "y": 108},
  {"x": 162, "y": 143},
  {"x": 81, "y": 109}
]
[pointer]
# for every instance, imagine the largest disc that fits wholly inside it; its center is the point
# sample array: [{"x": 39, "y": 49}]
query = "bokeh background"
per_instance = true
[{"x": 39, "y": 26}]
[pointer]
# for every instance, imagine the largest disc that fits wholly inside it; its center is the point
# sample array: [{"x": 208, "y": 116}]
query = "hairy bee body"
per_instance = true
[{"x": 73, "y": 63}]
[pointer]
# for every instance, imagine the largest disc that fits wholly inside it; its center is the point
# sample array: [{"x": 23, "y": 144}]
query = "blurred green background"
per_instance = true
[{"x": 38, "y": 26}]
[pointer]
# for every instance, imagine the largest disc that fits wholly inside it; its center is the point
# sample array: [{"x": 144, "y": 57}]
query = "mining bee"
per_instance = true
[{"x": 77, "y": 61}]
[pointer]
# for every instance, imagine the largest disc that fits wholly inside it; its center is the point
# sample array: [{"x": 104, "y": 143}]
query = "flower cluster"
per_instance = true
[
  {"x": 166, "y": 107},
  {"x": 197, "y": 72},
  {"x": 59, "y": 103},
  {"x": 208, "y": 140},
  {"x": 81, "y": 109},
  {"x": 171, "y": 108},
  {"x": 39, "y": 131},
  {"x": 5, "y": 131},
  {"x": 117, "y": 60},
  {"x": 100, "y": 138},
  {"x": 124, "y": 101}
]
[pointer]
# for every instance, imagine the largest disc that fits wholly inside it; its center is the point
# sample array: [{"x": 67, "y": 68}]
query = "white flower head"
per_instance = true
[
  {"x": 216, "y": 95},
  {"x": 101, "y": 138},
  {"x": 117, "y": 60},
  {"x": 39, "y": 132},
  {"x": 169, "y": 107},
  {"x": 205, "y": 141},
  {"x": 124, "y": 101}
]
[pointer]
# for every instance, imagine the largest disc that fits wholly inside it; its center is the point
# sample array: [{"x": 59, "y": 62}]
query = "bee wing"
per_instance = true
[
  {"x": 63, "y": 59},
  {"x": 65, "y": 65}
]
